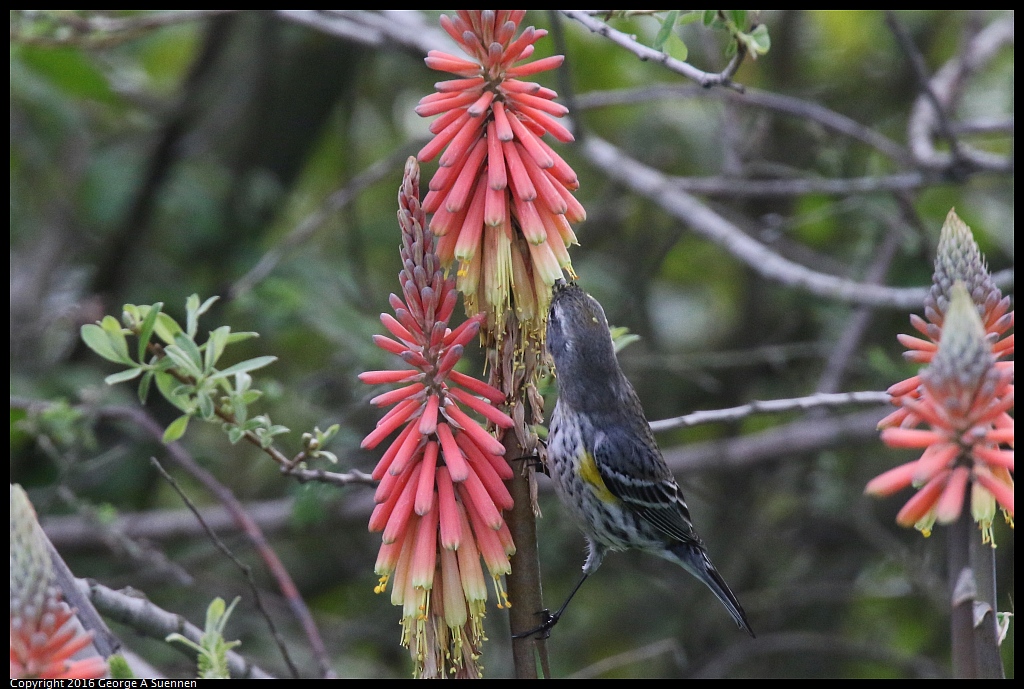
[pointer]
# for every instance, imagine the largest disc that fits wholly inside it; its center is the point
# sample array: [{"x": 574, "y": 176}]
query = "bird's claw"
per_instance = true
[{"x": 544, "y": 629}]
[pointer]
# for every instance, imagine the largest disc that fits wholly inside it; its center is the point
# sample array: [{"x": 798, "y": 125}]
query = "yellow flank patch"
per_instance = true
[{"x": 591, "y": 476}]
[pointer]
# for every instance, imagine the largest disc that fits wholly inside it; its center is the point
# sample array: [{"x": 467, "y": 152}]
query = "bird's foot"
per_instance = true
[{"x": 544, "y": 629}]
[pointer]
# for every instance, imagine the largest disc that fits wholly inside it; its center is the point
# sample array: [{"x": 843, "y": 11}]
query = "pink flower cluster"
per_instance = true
[
  {"x": 498, "y": 181},
  {"x": 441, "y": 491},
  {"x": 964, "y": 396}
]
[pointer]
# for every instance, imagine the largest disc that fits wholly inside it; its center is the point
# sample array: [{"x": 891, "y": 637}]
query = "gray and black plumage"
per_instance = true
[{"x": 604, "y": 461}]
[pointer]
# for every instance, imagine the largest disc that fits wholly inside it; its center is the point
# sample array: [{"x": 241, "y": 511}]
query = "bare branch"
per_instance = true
[
  {"x": 634, "y": 655},
  {"x": 751, "y": 97},
  {"x": 145, "y": 617},
  {"x": 402, "y": 28},
  {"x": 335, "y": 479},
  {"x": 942, "y": 93},
  {"x": 705, "y": 79},
  {"x": 658, "y": 187},
  {"x": 816, "y": 401},
  {"x": 781, "y": 442},
  {"x": 98, "y": 30}
]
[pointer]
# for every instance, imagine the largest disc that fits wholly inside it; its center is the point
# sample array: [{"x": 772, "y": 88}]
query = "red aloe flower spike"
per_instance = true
[
  {"x": 495, "y": 165},
  {"x": 427, "y": 481}
]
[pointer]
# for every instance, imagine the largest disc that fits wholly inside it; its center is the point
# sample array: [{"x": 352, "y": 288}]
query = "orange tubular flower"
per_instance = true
[
  {"x": 44, "y": 631},
  {"x": 964, "y": 396},
  {"x": 440, "y": 496},
  {"x": 958, "y": 258},
  {"x": 500, "y": 200}
]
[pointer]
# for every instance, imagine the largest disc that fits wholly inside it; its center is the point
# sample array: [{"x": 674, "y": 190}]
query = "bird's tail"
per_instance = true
[{"x": 696, "y": 561}]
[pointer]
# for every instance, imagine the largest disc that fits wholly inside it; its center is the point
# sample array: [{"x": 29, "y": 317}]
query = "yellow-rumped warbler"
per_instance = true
[{"x": 603, "y": 459}]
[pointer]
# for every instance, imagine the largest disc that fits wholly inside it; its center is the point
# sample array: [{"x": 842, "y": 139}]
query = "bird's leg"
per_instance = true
[
  {"x": 534, "y": 461},
  {"x": 551, "y": 619}
]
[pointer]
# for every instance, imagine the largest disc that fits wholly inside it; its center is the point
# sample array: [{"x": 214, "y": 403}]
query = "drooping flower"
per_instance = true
[
  {"x": 964, "y": 396},
  {"x": 44, "y": 631},
  {"x": 441, "y": 491},
  {"x": 501, "y": 199}
]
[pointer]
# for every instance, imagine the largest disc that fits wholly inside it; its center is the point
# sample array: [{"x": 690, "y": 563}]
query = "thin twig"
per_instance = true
[
  {"x": 289, "y": 590},
  {"x": 857, "y": 324},
  {"x": 145, "y": 617},
  {"x": 738, "y": 187},
  {"x": 634, "y": 655},
  {"x": 774, "y": 444},
  {"x": 332, "y": 477},
  {"x": 906, "y": 43},
  {"x": 246, "y": 569},
  {"x": 312, "y": 222},
  {"x": 705, "y": 79},
  {"x": 816, "y": 401},
  {"x": 70, "y": 533}
]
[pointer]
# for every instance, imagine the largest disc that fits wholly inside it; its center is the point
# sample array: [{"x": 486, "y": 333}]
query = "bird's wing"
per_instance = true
[{"x": 634, "y": 471}]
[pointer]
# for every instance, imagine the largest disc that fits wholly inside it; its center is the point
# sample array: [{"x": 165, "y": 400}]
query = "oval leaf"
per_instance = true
[
  {"x": 176, "y": 429},
  {"x": 248, "y": 365}
]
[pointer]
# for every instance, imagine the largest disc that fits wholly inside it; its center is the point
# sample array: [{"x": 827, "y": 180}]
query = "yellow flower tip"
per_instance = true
[
  {"x": 382, "y": 584},
  {"x": 572, "y": 273},
  {"x": 925, "y": 531}
]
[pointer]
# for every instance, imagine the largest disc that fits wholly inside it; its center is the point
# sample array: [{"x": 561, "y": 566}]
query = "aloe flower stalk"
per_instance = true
[{"x": 441, "y": 492}]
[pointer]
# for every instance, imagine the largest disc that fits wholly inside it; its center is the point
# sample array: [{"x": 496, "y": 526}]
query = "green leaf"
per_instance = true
[
  {"x": 129, "y": 374},
  {"x": 241, "y": 336},
  {"x": 243, "y": 366},
  {"x": 676, "y": 48},
  {"x": 119, "y": 667},
  {"x": 689, "y": 18},
  {"x": 206, "y": 408},
  {"x": 206, "y": 306},
  {"x": 667, "y": 25},
  {"x": 189, "y": 346},
  {"x": 167, "y": 384},
  {"x": 215, "y": 347},
  {"x": 182, "y": 361},
  {"x": 738, "y": 17},
  {"x": 235, "y": 434},
  {"x": 144, "y": 384},
  {"x": 176, "y": 429},
  {"x": 166, "y": 328},
  {"x": 146, "y": 331},
  {"x": 115, "y": 333},
  {"x": 760, "y": 42},
  {"x": 97, "y": 339},
  {"x": 709, "y": 16},
  {"x": 192, "y": 314}
]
